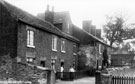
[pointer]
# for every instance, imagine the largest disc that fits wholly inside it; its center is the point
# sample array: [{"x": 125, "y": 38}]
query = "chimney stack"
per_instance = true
[
  {"x": 49, "y": 15},
  {"x": 93, "y": 30},
  {"x": 47, "y": 8},
  {"x": 98, "y": 33},
  {"x": 86, "y": 26},
  {"x": 52, "y": 8}
]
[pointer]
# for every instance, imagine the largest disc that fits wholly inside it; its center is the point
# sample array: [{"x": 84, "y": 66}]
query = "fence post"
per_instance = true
[
  {"x": 97, "y": 75},
  {"x": 122, "y": 78},
  {"x": 50, "y": 77},
  {"x": 112, "y": 80},
  {"x": 134, "y": 80}
]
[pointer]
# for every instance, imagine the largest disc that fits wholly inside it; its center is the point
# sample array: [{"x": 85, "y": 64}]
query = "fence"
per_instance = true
[
  {"x": 66, "y": 75},
  {"x": 123, "y": 80},
  {"x": 77, "y": 74}
]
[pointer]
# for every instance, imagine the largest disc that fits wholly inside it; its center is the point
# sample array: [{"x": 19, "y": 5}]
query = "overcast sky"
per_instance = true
[{"x": 80, "y": 10}]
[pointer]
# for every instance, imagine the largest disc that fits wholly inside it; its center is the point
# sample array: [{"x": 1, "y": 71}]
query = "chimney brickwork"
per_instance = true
[{"x": 49, "y": 15}]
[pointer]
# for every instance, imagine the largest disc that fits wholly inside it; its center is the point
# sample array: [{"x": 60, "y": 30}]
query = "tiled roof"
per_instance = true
[
  {"x": 60, "y": 16},
  {"x": 29, "y": 19},
  {"x": 86, "y": 37}
]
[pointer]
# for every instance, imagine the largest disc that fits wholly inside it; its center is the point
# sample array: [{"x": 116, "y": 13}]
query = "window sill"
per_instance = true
[
  {"x": 30, "y": 46},
  {"x": 63, "y": 51},
  {"x": 54, "y": 50}
]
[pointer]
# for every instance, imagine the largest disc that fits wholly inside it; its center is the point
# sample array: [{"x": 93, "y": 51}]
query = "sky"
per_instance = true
[{"x": 94, "y": 10}]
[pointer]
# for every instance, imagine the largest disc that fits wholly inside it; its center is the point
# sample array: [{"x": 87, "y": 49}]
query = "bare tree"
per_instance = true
[{"x": 116, "y": 30}]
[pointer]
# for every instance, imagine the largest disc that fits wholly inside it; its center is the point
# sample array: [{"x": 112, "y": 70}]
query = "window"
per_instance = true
[
  {"x": 63, "y": 46},
  {"x": 74, "y": 49},
  {"x": 54, "y": 43},
  {"x": 30, "y": 59},
  {"x": 100, "y": 48},
  {"x": 42, "y": 63},
  {"x": 30, "y": 38}
]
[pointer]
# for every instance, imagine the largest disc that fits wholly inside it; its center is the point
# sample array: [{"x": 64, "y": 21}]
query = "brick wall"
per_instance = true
[
  {"x": 8, "y": 40},
  {"x": 43, "y": 42},
  {"x": 13, "y": 43}
]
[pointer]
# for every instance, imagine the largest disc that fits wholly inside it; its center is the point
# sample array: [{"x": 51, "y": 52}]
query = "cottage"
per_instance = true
[
  {"x": 63, "y": 22},
  {"x": 90, "y": 43},
  {"x": 27, "y": 39},
  {"x": 90, "y": 47}
]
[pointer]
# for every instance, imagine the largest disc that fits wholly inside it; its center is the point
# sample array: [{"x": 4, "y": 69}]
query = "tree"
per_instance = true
[{"x": 116, "y": 30}]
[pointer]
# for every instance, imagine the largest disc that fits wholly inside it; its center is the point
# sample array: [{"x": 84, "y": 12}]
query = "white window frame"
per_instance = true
[
  {"x": 100, "y": 48},
  {"x": 74, "y": 49},
  {"x": 54, "y": 42},
  {"x": 30, "y": 38},
  {"x": 63, "y": 46}
]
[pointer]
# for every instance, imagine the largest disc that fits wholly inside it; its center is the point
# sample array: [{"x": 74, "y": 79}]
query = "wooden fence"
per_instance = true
[{"x": 123, "y": 80}]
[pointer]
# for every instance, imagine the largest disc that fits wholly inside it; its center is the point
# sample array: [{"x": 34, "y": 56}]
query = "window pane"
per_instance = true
[
  {"x": 31, "y": 38},
  {"x": 74, "y": 48},
  {"x": 62, "y": 45},
  {"x": 54, "y": 42},
  {"x": 28, "y": 39}
]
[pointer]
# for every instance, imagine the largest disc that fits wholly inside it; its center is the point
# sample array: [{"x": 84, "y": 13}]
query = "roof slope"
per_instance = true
[
  {"x": 60, "y": 16},
  {"x": 86, "y": 37},
  {"x": 27, "y": 18}
]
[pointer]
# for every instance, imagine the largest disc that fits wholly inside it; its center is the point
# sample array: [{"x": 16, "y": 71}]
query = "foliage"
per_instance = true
[
  {"x": 89, "y": 52},
  {"x": 116, "y": 30},
  {"x": 5, "y": 66},
  {"x": 128, "y": 47},
  {"x": 22, "y": 72}
]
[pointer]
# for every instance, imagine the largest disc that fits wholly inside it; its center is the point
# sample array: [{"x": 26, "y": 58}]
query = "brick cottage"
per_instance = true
[{"x": 27, "y": 39}]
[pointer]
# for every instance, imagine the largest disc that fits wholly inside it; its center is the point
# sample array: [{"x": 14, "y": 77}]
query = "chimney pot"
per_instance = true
[
  {"x": 47, "y": 7},
  {"x": 52, "y": 8}
]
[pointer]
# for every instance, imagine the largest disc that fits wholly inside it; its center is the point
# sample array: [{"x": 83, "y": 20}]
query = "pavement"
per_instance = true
[{"x": 86, "y": 80}]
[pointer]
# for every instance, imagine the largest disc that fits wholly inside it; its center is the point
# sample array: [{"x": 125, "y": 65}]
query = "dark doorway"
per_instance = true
[
  {"x": 62, "y": 63},
  {"x": 42, "y": 63}
]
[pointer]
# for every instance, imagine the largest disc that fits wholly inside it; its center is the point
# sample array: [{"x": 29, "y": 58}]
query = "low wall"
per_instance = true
[{"x": 103, "y": 78}]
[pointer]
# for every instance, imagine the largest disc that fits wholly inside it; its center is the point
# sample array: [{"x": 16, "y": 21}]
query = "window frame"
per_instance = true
[
  {"x": 30, "y": 38},
  {"x": 63, "y": 46},
  {"x": 100, "y": 46},
  {"x": 74, "y": 49},
  {"x": 54, "y": 42}
]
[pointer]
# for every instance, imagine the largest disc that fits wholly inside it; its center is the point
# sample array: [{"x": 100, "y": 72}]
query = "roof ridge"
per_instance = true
[
  {"x": 2, "y": 1},
  {"x": 30, "y": 19}
]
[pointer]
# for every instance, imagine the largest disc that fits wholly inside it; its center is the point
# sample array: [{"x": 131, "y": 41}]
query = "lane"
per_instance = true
[{"x": 87, "y": 80}]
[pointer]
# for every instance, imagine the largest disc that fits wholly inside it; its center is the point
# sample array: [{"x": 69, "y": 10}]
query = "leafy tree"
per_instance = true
[{"x": 116, "y": 30}]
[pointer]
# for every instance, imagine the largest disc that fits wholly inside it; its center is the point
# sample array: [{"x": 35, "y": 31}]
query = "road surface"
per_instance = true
[{"x": 86, "y": 80}]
